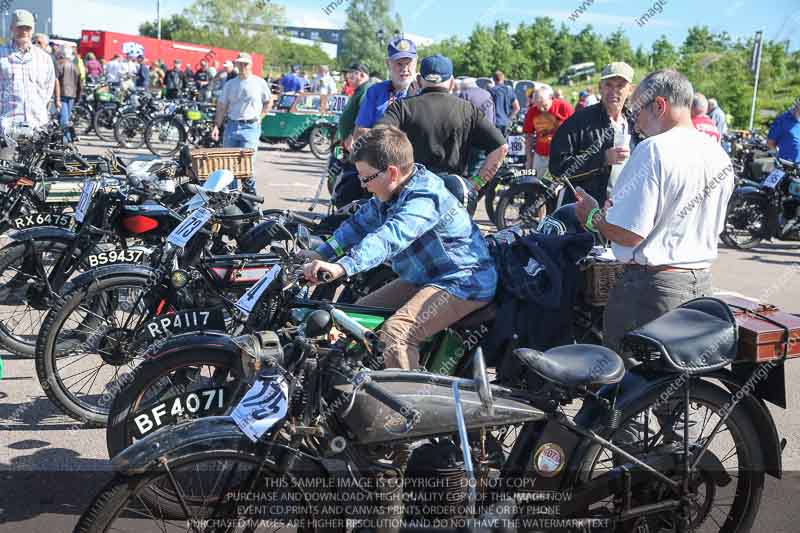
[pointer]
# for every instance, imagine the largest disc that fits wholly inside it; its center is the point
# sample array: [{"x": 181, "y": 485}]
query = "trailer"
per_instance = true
[{"x": 106, "y": 44}]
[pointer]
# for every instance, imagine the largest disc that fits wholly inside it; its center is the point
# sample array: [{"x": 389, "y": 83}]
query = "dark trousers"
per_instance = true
[{"x": 641, "y": 296}]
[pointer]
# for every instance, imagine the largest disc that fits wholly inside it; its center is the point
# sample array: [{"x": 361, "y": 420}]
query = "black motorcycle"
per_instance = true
[
  {"x": 319, "y": 440},
  {"x": 764, "y": 210}
]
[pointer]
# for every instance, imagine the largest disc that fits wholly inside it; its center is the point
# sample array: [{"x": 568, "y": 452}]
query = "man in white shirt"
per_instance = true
[
  {"x": 667, "y": 209},
  {"x": 323, "y": 83},
  {"x": 114, "y": 70},
  {"x": 244, "y": 101}
]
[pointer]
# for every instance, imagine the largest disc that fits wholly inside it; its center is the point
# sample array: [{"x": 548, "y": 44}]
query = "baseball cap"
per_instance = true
[
  {"x": 228, "y": 63},
  {"x": 243, "y": 57},
  {"x": 618, "y": 69},
  {"x": 22, "y": 17},
  {"x": 436, "y": 68},
  {"x": 583, "y": 94},
  {"x": 400, "y": 47},
  {"x": 358, "y": 67}
]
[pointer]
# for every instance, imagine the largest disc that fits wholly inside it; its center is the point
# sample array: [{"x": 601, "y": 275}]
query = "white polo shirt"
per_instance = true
[
  {"x": 244, "y": 99},
  {"x": 674, "y": 192}
]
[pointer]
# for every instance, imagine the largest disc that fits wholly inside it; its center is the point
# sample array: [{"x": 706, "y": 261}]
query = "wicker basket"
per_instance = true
[
  {"x": 600, "y": 279},
  {"x": 237, "y": 160}
]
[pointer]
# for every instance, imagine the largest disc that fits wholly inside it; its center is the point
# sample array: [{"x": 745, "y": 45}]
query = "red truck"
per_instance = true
[{"x": 105, "y": 44}]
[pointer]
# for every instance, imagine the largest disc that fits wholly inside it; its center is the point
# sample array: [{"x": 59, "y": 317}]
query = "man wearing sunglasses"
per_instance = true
[{"x": 443, "y": 263}]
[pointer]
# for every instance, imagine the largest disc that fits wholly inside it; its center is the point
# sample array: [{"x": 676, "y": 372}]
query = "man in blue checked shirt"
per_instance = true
[{"x": 444, "y": 267}]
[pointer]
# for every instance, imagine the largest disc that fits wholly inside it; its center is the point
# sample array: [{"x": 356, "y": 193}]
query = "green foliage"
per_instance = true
[
  {"x": 360, "y": 43},
  {"x": 169, "y": 27},
  {"x": 287, "y": 53},
  {"x": 664, "y": 54}
]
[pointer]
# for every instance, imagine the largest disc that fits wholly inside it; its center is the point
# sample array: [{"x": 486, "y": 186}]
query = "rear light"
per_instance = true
[{"x": 139, "y": 224}]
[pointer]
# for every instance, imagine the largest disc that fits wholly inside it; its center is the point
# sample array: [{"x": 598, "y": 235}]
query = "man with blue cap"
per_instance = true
[
  {"x": 402, "y": 63},
  {"x": 443, "y": 128}
]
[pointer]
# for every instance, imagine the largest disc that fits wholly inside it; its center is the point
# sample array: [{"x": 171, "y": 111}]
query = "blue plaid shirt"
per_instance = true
[{"x": 426, "y": 234}]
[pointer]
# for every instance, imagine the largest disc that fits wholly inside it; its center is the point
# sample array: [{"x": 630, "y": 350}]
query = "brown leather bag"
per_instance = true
[{"x": 765, "y": 332}]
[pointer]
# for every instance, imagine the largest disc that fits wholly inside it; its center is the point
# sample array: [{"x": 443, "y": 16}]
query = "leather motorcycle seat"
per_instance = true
[
  {"x": 574, "y": 365},
  {"x": 699, "y": 336}
]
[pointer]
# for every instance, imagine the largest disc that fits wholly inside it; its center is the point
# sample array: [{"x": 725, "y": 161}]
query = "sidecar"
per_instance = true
[{"x": 300, "y": 119}]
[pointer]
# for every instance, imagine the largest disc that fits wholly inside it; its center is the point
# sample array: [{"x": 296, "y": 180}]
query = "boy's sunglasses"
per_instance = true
[{"x": 366, "y": 179}]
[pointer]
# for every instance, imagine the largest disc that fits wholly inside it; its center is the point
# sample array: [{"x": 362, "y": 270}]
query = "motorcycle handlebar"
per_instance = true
[
  {"x": 252, "y": 197},
  {"x": 85, "y": 164}
]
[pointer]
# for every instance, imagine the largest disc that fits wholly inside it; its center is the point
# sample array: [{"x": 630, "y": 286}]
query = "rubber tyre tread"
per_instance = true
[
  {"x": 148, "y": 132},
  {"x": 45, "y": 353},
  {"x": 505, "y": 199}
]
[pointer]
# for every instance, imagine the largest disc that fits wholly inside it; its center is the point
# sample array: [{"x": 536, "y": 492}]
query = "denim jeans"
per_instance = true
[
  {"x": 67, "y": 102},
  {"x": 243, "y": 135}
]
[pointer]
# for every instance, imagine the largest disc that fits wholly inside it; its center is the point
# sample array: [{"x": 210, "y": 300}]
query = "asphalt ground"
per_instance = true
[{"x": 50, "y": 468}]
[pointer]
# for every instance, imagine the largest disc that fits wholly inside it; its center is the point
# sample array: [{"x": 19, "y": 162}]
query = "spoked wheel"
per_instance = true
[
  {"x": 213, "y": 488},
  {"x": 321, "y": 141},
  {"x": 24, "y": 298},
  {"x": 745, "y": 222},
  {"x": 521, "y": 206},
  {"x": 88, "y": 343},
  {"x": 725, "y": 488},
  {"x": 104, "y": 119},
  {"x": 164, "y": 136},
  {"x": 129, "y": 130}
]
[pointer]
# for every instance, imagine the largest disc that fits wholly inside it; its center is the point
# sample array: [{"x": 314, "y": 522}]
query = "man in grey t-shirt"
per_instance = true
[{"x": 244, "y": 101}]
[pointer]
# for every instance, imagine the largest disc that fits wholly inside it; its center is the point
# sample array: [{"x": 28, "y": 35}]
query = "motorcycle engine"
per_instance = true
[{"x": 435, "y": 485}]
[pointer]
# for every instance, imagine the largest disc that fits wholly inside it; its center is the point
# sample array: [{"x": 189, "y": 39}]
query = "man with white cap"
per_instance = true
[
  {"x": 244, "y": 101},
  {"x": 27, "y": 76}
]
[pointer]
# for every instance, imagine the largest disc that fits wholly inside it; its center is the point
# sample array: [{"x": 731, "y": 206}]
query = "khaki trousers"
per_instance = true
[{"x": 423, "y": 311}]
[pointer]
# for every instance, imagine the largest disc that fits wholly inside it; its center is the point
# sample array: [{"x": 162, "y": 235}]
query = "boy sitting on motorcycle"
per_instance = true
[{"x": 443, "y": 263}]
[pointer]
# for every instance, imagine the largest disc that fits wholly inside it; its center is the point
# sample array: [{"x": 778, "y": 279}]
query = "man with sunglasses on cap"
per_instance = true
[
  {"x": 402, "y": 64},
  {"x": 443, "y": 263},
  {"x": 27, "y": 76}
]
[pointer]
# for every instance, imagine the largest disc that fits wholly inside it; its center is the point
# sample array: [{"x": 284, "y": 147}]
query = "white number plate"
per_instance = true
[
  {"x": 42, "y": 219},
  {"x": 115, "y": 256},
  {"x": 249, "y": 299},
  {"x": 775, "y": 177},
  {"x": 516, "y": 145},
  {"x": 85, "y": 200},
  {"x": 337, "y": 103},
  {"x": 264, "y": 404},
  {"x": 186, "y": 229}
]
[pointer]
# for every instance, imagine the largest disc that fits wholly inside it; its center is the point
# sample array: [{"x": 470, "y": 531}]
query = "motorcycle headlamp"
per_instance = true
[{"x": 179, "y": 279}]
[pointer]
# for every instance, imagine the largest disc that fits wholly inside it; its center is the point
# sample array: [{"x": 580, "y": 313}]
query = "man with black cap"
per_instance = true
[
  {"x": 593, "y": 145},
  {"x": 358, "y": 77},
  {"x": 27, "y": 75},
  {"x": 402, "y": 63},
  {"x": 443, "y": 127}
]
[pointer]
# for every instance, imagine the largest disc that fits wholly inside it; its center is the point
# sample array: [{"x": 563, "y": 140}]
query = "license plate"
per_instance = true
[
  {"x": 774, "y": 178},
  {"x": 187, "y": 229},
  {"x": 262, "y": 407},
  {"x": 204, "y": 402},
  {"x": 85, "y": 200},
  {"x": 337, "y": 103},
  {"x": 183, "y": 321},
  {"x": 42, "y": 219},
  {"x": 253, "y": 294},
  {"x": 516, "y": 145},
  {"x": 115, "y": 256}
]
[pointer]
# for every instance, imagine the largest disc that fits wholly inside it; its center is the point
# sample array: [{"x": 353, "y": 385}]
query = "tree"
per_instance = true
[
  {"x": 590, "y": 47},
  {"x": 664, "y": 54},
  {"x": 452, "y": 47},
  {"x": 619, "y": 47},
  {"x": 288, "y": 53},
  {"x": 169, "y": 27},
  {"x": 563, "y": 50},
  {"x": 699, "y": 39},
  {"x": 360, "y": 42},
  {"x": 534, "y": 49},
  {"x": 479, "y": 57},
  {"x": 642, "y": 58}
]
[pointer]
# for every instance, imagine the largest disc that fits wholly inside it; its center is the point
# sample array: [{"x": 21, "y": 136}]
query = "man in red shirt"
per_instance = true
[
  {"x": 543, "y": 119},
  {"x": 702, "y": 122}
]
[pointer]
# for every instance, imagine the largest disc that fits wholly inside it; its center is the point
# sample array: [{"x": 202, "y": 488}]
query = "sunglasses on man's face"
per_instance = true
[{"x": 366, "y": 179}]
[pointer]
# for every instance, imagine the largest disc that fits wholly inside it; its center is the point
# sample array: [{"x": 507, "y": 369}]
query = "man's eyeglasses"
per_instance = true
[{"x": 366, "y": 179}]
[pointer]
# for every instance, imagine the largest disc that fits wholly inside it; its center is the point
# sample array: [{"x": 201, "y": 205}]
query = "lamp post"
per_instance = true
[
  {"x": 379, "y": 35},
  {"x": 158, "y": 18}
]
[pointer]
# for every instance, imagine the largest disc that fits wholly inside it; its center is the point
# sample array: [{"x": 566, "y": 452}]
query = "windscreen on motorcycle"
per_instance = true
[{"x": 218, "y": 181}]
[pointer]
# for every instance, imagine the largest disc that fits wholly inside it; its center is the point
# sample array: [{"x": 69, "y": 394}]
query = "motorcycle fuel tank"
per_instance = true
[{"x": 370, "y": 421}]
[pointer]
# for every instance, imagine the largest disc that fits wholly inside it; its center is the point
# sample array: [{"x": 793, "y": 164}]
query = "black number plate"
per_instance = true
[
  {"x": 198, "y": 403},
  {"x": 42, "y": 219},
  {"x": 115, "y": 256},
  {"x": 183, "y": 321}
]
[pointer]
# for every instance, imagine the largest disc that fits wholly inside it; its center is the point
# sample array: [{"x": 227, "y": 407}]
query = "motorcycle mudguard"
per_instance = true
[
  {"x": 42, "y": 232},
  {"x": 193, "y": 340},
  {"x": 112, "y": 271},
  {"x": 635, "y": 385},
  {"x": 213, "y": 436}
]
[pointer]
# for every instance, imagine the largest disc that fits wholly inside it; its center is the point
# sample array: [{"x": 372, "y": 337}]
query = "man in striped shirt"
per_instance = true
[{"x": 27, "y": 76}]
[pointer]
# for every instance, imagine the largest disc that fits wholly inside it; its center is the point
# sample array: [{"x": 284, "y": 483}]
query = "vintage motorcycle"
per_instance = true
[{"x": 675, "y": 443}]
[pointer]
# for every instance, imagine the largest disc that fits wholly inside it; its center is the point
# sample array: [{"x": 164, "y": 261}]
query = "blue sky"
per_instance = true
[{"x": 440, "y": 18}]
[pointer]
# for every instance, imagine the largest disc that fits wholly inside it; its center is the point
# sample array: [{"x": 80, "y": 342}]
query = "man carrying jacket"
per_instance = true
[{"x": 592, "y": 145}]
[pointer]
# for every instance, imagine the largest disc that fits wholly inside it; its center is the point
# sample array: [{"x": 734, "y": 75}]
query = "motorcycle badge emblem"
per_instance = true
[
  {"x": 549, "y": 459},
  {"x": 533, "y": 267}
]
